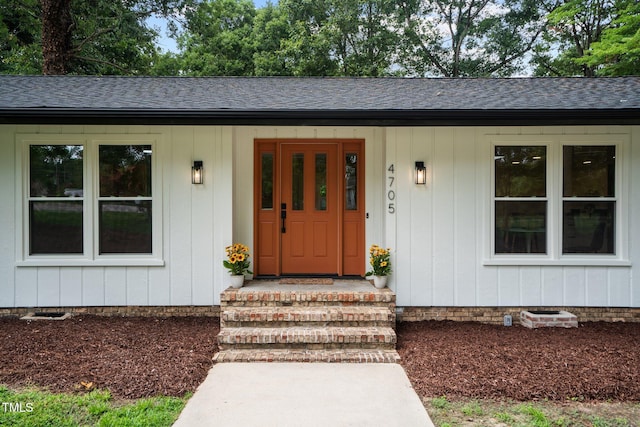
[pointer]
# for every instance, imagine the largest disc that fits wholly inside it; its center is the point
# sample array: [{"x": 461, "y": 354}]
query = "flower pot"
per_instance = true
[
  {"x": 379, "y": 281},
  {"x": 237, "y": 280}
]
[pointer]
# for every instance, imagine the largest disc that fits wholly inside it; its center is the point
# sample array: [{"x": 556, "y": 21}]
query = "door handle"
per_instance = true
[{"x": 283, "y": 216}]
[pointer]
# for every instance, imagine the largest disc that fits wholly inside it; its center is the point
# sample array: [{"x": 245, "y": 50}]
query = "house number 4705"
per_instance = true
[{"x": 391, "y": 194}]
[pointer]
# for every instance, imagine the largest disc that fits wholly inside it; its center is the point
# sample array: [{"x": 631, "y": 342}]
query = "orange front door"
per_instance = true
[{"x": 309, "y": 207}]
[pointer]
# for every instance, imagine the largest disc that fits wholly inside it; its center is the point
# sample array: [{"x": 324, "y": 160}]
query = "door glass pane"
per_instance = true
[
  {"x": 520, "y": 171},
  {"x": 55, "y": 227},
  {"x": 55, "y": 170},
  {"x": 125, "y": 227},
  {"x": 521, "y": 227},
  {"x": 589, "y": 171},
  {"x": 588, "y": 227},
  {"x": 125, "y": 170},
  {"x": 267, "y": 181},
  {"x": 321, "y": 182},
  {"x": 351, "y": 181},
  {"x": 297, "y": 182}
]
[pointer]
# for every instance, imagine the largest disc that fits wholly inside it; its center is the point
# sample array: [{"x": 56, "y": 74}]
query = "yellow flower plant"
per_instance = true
[
  {"x": 379, "y": 259},
  {"x": 237, "y": 261}
]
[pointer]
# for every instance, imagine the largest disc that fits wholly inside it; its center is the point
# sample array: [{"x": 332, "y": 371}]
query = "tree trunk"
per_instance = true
[{"x": 57, "y": 27}]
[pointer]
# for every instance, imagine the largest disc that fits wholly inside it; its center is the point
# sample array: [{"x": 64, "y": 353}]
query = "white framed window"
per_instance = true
[
  {"x": 520, "y": 199},
  {"x": 558, "y": 200},
  {"x": 89, "y": 200},
  {"x": 589, "y": 199}
]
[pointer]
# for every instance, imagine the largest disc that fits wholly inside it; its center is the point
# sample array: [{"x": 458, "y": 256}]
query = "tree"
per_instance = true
[
  {"x": 308, "y": 50},
  {"x": 216, "y": 40},
  {"x": 618, "y": 51},
  {"x": 111, "y": 37},
  {"x": 166, "y": 64},
  {"x": 573, "y": 26},
  {"x": 20, "y": 49},
  {"x": 458, "y": 38},
  {"x": 271, "y": 27},
  {"x": 57, "y": 30},
  {"x": 340, "y": 37},
  {"x": 79, "y": 36},
  {"x": 364, "y": 42}
]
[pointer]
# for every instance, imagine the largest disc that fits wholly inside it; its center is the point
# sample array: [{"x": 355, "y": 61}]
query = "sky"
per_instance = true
[{"x": 164, "y": 41}]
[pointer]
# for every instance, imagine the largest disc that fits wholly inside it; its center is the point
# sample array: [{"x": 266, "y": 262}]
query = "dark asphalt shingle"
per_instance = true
[{"x": 315, "y": 94}]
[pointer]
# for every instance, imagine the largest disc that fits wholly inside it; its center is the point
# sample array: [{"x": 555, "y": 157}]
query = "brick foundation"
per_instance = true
[
  {"x": 495, "y": 315},
  {"x": 121, "y": 311}
]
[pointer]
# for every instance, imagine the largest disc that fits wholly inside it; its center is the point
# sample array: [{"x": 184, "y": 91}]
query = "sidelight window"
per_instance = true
[{"x": 351, "y": 181}]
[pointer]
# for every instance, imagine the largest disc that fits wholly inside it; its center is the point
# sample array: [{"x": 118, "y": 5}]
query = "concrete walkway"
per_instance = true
[{"x": 305, "y": 394}]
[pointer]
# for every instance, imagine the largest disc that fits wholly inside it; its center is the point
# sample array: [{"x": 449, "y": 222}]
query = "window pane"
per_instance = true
[
  {"x": 521, "y": 227},
  {"x": 125, "y": 170},
  {"x": 55, "y": 227},
  {"x": 321, "y": 182},
  {"x": 125, "y": 227},
  {"x": 521, "y": 171},
  {"x": 588, "y": 227},
  {"x": 267, "y": 181},
  {"x": 297, "y": 182},
  {"x": 55, "y": 170},
  {"x": 589, "y": 171},
  {"x": 351, "y": 181}
]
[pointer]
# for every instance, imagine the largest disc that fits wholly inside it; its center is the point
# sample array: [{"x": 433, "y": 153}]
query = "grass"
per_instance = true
[
  {"x": 487, "y": 412},
  {"x": 35, "y": 408}
]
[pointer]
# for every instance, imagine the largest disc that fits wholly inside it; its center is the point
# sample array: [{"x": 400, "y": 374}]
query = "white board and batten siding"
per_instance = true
[
  {"x": 438, "y": 232},
  {"x": 194, "y": 226},
  {"x": 443, "y": 257}
]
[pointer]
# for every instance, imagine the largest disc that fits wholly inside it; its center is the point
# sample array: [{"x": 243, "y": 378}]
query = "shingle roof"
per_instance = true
[{"x": 259, "y": 100}]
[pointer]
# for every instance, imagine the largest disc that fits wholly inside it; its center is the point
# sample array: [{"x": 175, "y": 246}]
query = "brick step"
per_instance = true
[
  {"x": 307, "y": 316},
  {"x": 302, "y": 355},
  {"x": 246, "y": 297},
  {"x": 310, "y": 338}
]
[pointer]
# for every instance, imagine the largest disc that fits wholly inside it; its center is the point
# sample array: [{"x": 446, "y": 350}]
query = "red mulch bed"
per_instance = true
[
  {"x": 131, "y": 357},
  {"x": 140, "y": 357},
  {"x": 597, "y": 361}
]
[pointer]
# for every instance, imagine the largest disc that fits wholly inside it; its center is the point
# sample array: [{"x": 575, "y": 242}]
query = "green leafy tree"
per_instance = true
[
  {"x": 573, "y": 26},
  {"x": 166, "y": 64},
  {"x": 340, "y": 37},
  {"x": 364, "y": 42},
  {"x": 618, "y": 51},
  {"x": 270, "y": 28},
  {"x": 458, "y": 38},
  {"x": 217, "y": 38},
  {"x": 20, "y": 49},
  {"x": 110, "y": 38},
  {"x": 79, "y": 36},
  {"x": 308, "y": 50}
]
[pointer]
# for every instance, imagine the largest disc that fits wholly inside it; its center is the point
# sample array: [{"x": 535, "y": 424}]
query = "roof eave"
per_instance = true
[{"x": 457, "y": 117}]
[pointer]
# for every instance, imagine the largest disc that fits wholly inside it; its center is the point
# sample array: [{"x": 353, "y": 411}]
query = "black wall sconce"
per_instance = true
[
  {"x": 421, "y": 173},
  {"x": 197, "y": 172}
]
